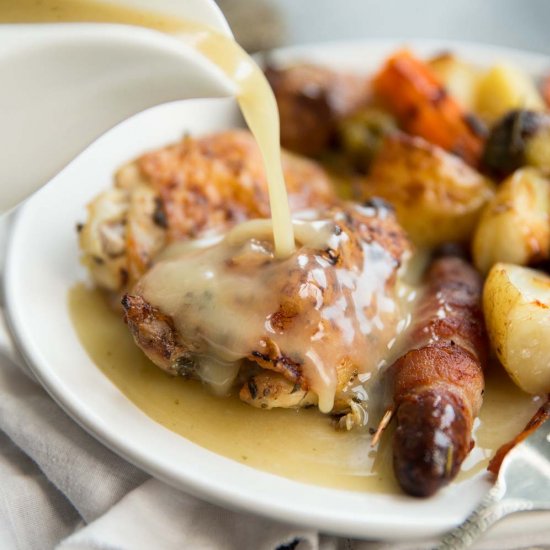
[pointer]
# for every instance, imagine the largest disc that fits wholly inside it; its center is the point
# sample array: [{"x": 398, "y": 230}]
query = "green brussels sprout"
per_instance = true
[{"x": 361, "y": 134}]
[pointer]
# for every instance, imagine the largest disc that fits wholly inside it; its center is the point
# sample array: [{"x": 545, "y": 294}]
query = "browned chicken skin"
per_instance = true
[
  {"x": 183, "y": 191},
  {"x": 273, "y": 373}
]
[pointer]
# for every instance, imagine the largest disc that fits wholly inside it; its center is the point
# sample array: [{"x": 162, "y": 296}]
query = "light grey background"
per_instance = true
[{"x": 517, "y": 23}]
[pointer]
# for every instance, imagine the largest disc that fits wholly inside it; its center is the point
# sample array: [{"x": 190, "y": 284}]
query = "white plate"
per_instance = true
[{"x": 42, "y": 264}]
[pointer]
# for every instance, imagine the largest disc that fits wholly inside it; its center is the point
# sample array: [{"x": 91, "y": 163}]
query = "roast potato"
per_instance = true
[
  {"x": 459, "y": 78},
  {"x": 516, "y": 305},
  {"x": 503, "y": 88},
  {"x": 436, "y": 195},
  {"x": 514, "y": 226}
]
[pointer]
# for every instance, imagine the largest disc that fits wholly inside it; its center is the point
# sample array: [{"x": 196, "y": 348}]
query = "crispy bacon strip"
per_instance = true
[
  {"x": 538, "y": 419},
  {"x": 438, "y": 383}
]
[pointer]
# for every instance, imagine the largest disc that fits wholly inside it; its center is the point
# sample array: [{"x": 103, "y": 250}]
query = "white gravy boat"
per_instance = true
[{"x": 63, "y": 85}]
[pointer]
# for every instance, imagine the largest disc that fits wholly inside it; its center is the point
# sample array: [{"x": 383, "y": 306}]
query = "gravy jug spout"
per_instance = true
[{"x": 63, "y": 85}]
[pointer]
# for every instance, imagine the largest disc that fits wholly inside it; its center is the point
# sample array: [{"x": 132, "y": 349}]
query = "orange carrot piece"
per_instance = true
[
  {"x": 413, "y": 93},
  {"x": 542, "y": 414}
]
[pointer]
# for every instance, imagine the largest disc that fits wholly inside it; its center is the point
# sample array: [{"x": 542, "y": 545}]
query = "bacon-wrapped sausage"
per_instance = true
[{"x": 438, "y": 383}]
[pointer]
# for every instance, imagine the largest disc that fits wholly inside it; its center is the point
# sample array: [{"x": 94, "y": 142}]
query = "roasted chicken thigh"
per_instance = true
[
  {"x": 307, "y": 330},
  {"x": 184, "y": 191}
]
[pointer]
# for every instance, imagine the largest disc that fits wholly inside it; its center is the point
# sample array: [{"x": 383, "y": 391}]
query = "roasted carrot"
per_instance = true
[
  {"x": 410, "y": 89},
  {"x": 542, "y": 414}
]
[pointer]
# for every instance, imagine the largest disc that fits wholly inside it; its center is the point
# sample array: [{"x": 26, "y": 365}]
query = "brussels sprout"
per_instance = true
[
  {"x": 361, "y": 134},
  {"x": 520, "y": 138}
]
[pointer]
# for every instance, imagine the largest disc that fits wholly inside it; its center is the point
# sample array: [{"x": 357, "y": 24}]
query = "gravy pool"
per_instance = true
[{"x": 300, "y": 445}]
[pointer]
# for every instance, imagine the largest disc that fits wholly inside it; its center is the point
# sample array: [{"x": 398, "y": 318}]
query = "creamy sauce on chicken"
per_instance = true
[
  {"x": 235, "y": 300},
  {"x": 254, "y": 94},
  {"x": 301, "y": 445}
]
